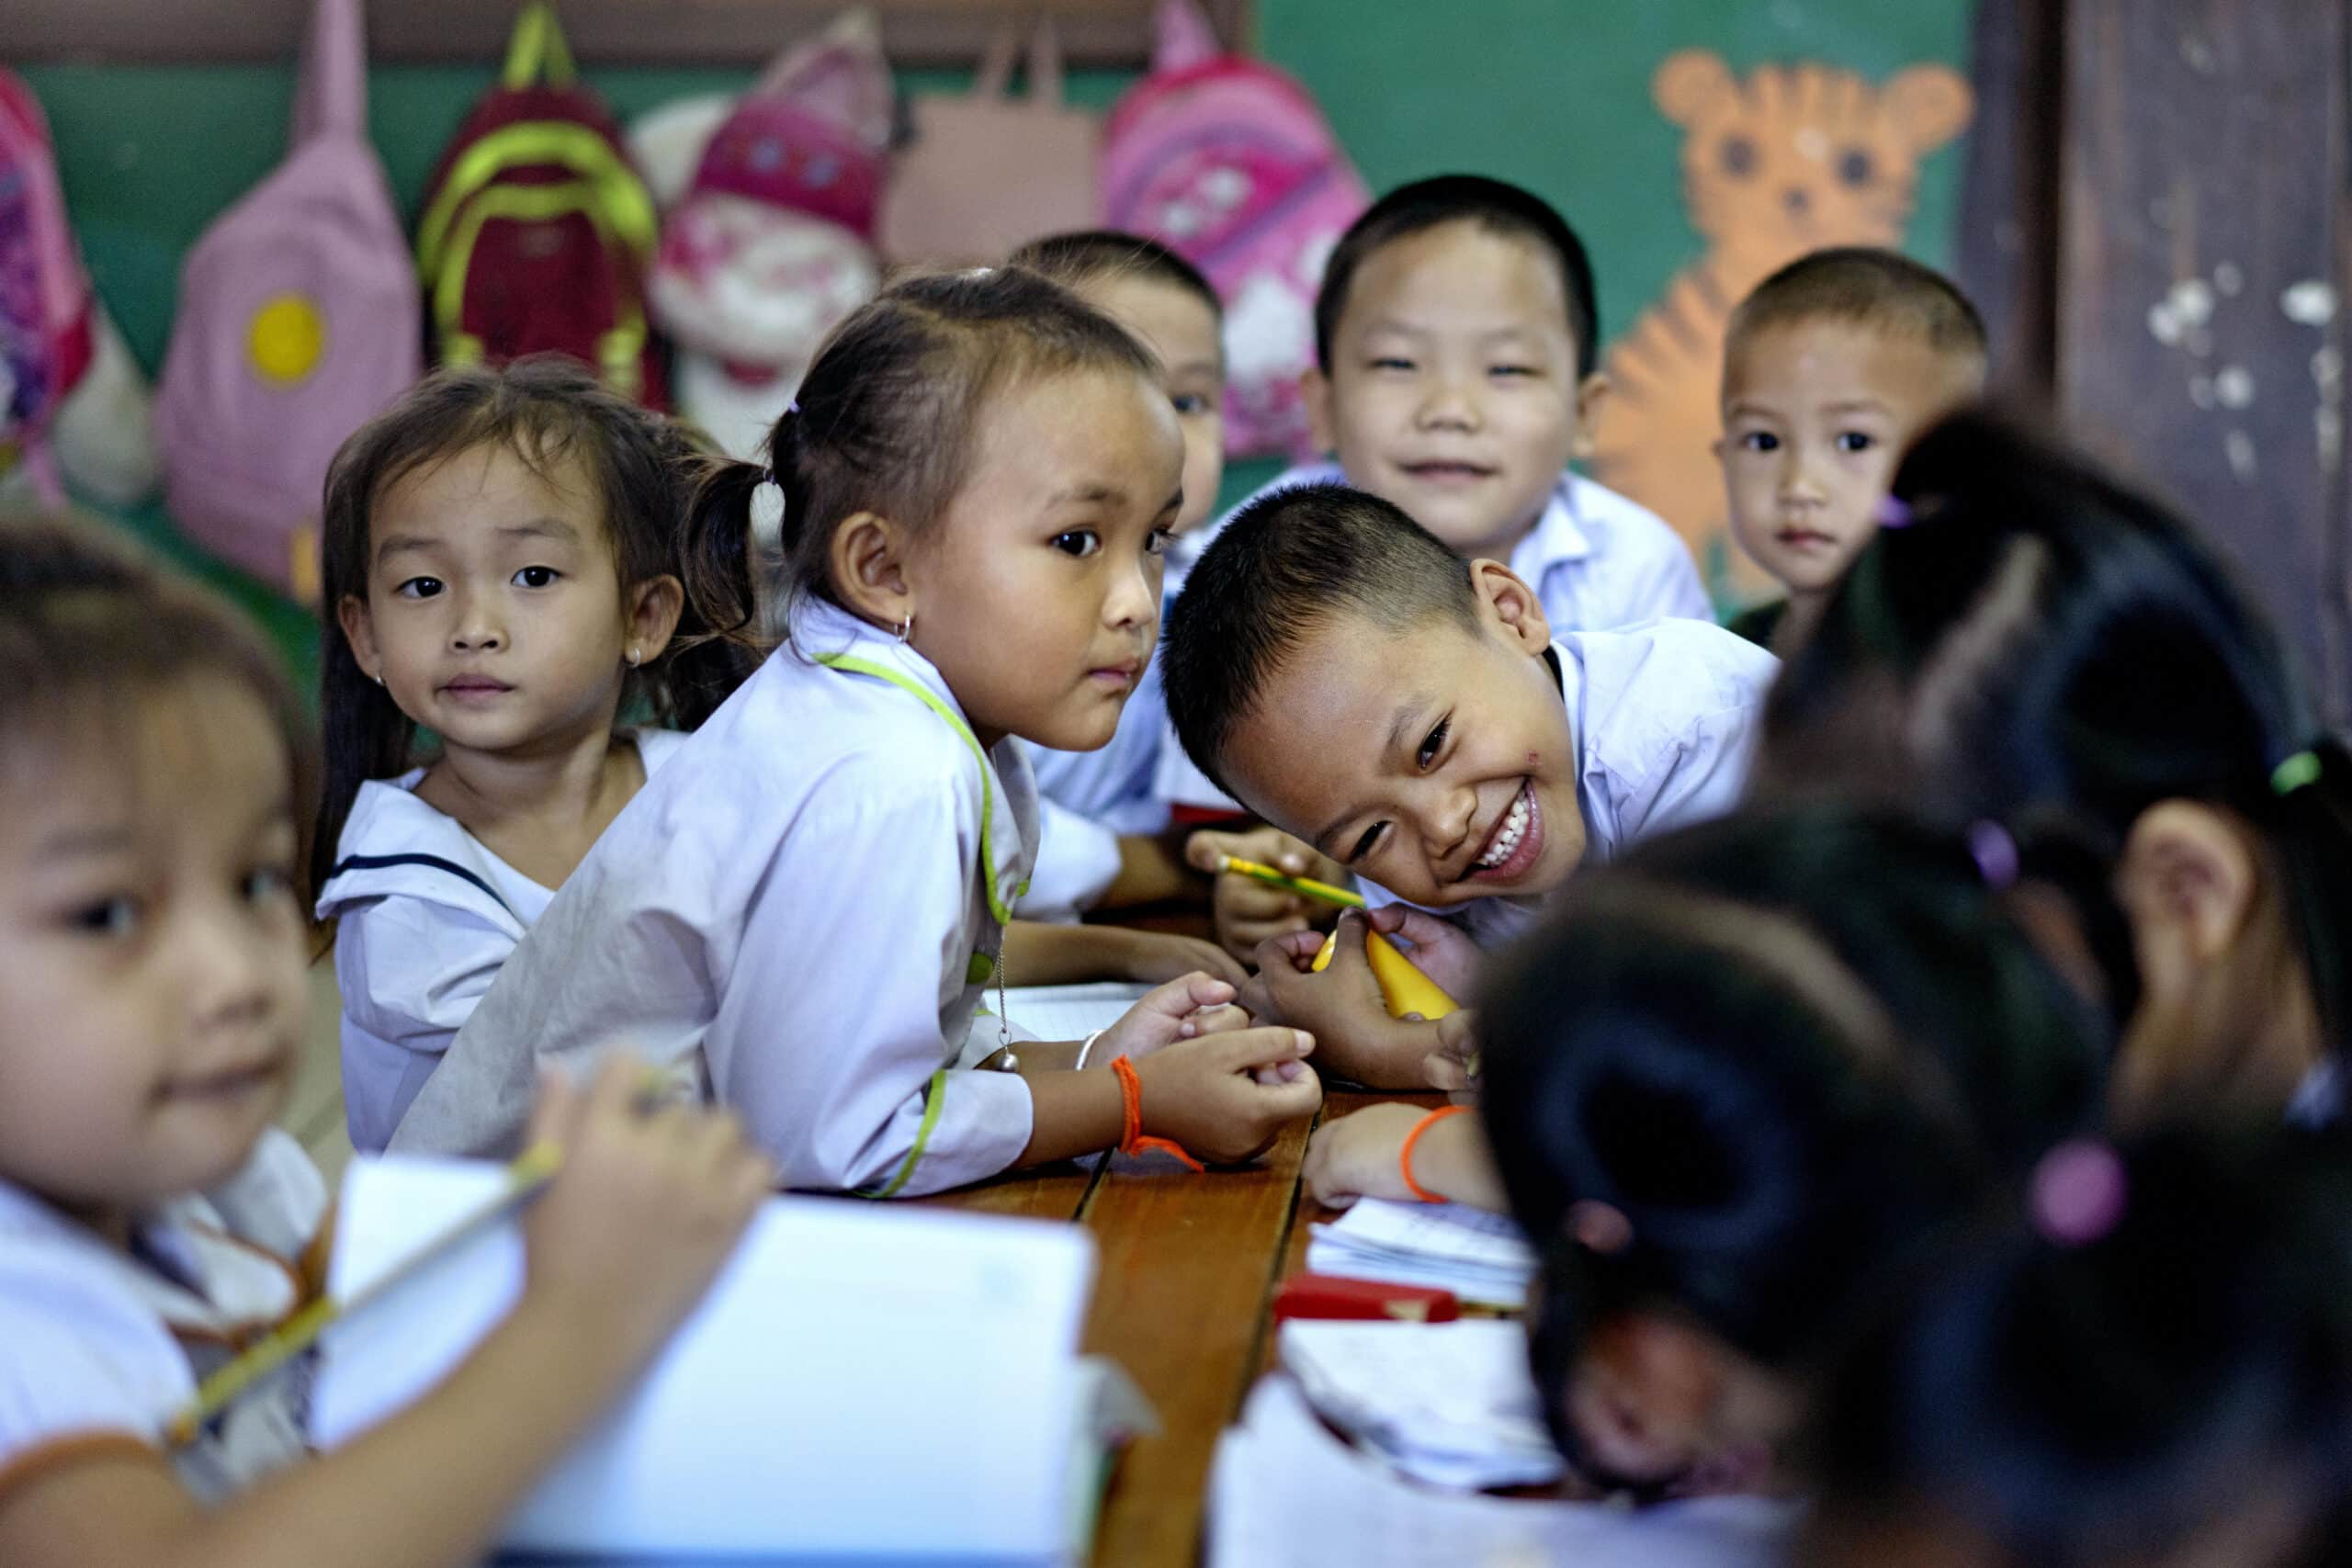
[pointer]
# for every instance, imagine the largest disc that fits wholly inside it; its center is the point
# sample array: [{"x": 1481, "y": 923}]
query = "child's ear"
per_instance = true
[
  {"x": 1315, "y": 391},
  {"x": 869, "y": 570},
  {"x": 2187, "y": 881},
  {"x": 360, "y": 631},
  {"x": 655, "y": 607},
  {"x": 1591, "y": 393},
  {"x": 1506, "y": 601}
]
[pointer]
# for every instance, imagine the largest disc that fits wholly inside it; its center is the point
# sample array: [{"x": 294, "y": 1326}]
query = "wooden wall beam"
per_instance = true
[{"x": 642, "y": 32}]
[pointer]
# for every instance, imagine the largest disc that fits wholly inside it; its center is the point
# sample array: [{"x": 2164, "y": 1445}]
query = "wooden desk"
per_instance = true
[{"x": 1189, "y": 1267}]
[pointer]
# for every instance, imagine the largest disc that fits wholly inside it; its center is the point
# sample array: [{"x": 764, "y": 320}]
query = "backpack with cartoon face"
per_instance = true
[
  {"x": 536, "y": 232},
  {"x": 45, "y": 305},
  {"x": 770, "y": 244},
  {"x": 296, "y": 324},
  {"x": 1231, "y": 164}
]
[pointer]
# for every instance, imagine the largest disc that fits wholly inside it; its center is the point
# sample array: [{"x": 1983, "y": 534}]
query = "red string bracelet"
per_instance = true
[
  {"x": 1405, "y": 1154},
  {"x": 1131, "y": 1135}
]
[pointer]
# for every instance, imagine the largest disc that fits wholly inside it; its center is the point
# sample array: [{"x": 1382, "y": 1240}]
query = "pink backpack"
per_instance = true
[
  {"x": 46, "y": 317},
  {"x": 1231, "y": 164},
  {"x": 298, "y": 322}
]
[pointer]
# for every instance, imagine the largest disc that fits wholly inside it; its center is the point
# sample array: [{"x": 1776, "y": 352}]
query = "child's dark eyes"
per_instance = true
[
  {"x": 1759, "y": 441},
  {"x": 266, "y": 884},
  {"x": 1391, "y": 362},
  {"x": 1157, "y": 542},
  {"x": 1855, "y": 441},
  {"x": 1512, "y": 370},
  {"x": 420, "y": 588},
  {"x": 1079, "y": 542},
  {"x": 1364, "y": 845},
  {"x": 535, "y": 577},
  {"x": 1434, "y": 742},
  {"x": 114, "y": 916},
  {"x": 1191, "y": 403}
]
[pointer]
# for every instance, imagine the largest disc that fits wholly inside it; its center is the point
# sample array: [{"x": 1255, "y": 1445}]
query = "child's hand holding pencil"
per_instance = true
[{"x": 1268, "y": 884}]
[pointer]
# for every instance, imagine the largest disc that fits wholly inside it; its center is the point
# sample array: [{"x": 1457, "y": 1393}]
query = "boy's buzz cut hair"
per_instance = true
[
  {"x": 1880, "y": 289},
  {"x": 1496, "y": 206},
  {"x": 1087, "y": 254},
  {"x": 1285, "y": 565}
]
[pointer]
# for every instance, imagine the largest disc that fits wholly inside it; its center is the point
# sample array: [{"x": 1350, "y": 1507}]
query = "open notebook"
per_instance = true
[{"x": 864, "y": 1381}]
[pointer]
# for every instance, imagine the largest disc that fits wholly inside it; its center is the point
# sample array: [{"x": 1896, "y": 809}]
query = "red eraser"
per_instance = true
[{"x": 1333, "y": 1296}]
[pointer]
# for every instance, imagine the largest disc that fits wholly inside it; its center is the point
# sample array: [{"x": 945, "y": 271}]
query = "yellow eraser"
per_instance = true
[{"x": 1404, "y": 988}]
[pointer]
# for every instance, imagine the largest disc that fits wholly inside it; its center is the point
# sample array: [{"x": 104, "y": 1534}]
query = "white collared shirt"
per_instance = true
[
  {"x": 795, "y": 912},
  {"x": 425, "y": 917},
  {"x": 100, "y": 1346},
  {"x": 1664, "y": 719}
]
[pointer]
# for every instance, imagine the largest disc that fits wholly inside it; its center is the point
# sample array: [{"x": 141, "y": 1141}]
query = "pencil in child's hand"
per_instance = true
[
  {"x": 1305, "y": 885},
  {"x": 532, "y": 1170}
]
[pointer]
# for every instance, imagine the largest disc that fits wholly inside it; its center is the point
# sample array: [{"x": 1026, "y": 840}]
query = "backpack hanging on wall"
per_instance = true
[
  {"x": 45, "y": 305},
  {"x": 536, "y": 232},
  {"x": 1231, "y": 164},
  {"x": 773, "y": 243},
  {"x": 296, "y": 324},
  {"x": 985, "y": 173}
]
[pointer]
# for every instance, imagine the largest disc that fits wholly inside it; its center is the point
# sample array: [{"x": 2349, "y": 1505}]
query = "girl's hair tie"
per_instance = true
[
  {"x": 2302, "y": 768},
  {"x": 1996, "y": 853},
  {"x": 1892, "y": 511},
  {"x": 2079, "y": 1192}
]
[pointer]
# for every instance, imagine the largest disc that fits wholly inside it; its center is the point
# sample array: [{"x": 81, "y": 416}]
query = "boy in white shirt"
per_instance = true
[
  {"x": 1457, "y": 350},
  {"x": 1418, "y": 721}
]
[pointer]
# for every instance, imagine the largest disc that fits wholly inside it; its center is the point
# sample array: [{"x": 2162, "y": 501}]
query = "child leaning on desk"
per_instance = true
[{"x": 151, "y": 999}]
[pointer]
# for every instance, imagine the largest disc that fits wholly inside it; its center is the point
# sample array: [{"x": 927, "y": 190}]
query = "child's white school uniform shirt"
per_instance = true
[
  {"x": 426, "y": 916},
  {"x": 1664, "y": 719},
  {"x": 799, "y": 912},
  {"x": 100, "y": 1349}
]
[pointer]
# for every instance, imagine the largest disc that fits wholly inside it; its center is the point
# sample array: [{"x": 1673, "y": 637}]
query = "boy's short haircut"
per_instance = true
[
  {"x": 1287, "y": 564},
  {"x": 1495, "y": 206},
  {"x": 1882, "y": 290},
  {"x": 1088, "y": 254}
]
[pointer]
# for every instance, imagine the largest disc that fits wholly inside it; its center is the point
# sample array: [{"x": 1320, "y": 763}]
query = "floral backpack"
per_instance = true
[
  {"x": 45, "y": 303},
  {"x": 1229, "y": 162}
]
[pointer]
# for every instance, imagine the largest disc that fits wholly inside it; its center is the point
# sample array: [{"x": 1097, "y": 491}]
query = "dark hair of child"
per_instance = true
[
  {"x": 1495, "y": 206},
  {"x": 1283, "y": 568},
  {"x": 1788, "y": 1048},
  {"x": 547, "y": 410},
  {"x": 885, "y": 419},
  {"x": 2036, "y": 643},
  {"x": 1075, "y": 258},
  {"x": 2157, "y": 1337}
]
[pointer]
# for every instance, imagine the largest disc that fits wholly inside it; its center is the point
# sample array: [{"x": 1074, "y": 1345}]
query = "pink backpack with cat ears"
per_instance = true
[
  {"x": 46, "y": 315},
  {"x": 1229, "y": 162},
  {"x": 298, "y": 321}
]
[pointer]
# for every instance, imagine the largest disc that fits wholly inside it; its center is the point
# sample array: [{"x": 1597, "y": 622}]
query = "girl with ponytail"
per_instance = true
[{"x": 504, "y": 566}]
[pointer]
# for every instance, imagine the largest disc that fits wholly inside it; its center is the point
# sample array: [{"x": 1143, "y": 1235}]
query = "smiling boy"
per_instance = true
[{"x": 1416, "y": 718}]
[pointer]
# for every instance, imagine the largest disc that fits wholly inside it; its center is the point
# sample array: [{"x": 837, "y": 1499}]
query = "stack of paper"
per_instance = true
[
  {"x": 1477, "y": 1256},
  {"x": 1287, "y": 1493},
  {"x": 1451, "y": 1404},
  {"x": 817, "y": 1405}
]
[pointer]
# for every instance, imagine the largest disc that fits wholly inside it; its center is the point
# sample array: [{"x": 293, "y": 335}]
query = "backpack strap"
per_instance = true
[
  {"x": 331, "y": 97},
  {"x": 538, "y": 53}
]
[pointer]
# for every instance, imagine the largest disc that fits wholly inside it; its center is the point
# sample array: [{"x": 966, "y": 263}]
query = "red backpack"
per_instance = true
[{"x": 537, "y": 233}]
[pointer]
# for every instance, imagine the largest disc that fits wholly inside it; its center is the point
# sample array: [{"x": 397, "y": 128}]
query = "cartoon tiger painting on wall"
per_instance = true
[{"x": 1793, "y": 158}]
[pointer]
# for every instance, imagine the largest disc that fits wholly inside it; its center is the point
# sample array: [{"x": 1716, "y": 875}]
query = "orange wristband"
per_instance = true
[
  {"x": 1405, "y": 1154},
  {"x": 1131, "y": 1135}
]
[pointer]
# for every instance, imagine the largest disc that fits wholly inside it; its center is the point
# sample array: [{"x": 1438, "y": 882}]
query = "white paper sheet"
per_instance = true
[
  {"x": 1451, "y": 1404},
  {"x": 1287, "y": 1493},
  {"x": 862, "y": 1381},
  {"x": 1477, "y": 1256}
]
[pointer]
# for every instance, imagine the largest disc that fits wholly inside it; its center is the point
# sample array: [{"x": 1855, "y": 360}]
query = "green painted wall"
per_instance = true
[{"x": 1553, "y": 94}]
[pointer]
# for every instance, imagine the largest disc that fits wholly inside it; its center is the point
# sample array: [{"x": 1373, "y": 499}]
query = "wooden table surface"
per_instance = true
[{"x": 1188, "y": 1269}]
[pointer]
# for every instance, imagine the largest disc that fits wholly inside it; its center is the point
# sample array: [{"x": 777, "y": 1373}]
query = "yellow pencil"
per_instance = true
[
  {"x": 531, "y": 1171},
  {"x": 1305, "y": 885}
]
